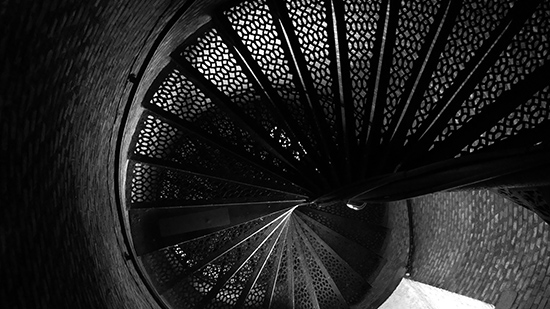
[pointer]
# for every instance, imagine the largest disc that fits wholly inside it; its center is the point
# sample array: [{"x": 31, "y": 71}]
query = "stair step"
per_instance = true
[{"x": 274, "y": 115}]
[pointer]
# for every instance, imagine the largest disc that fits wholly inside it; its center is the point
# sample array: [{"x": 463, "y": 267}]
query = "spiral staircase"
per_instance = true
[{"x": 275, "y": 152}]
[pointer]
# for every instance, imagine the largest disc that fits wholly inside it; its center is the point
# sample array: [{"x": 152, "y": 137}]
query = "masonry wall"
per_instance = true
[
  {"x": 63, "y": 86},
  {"x": 482, "y": 245}
]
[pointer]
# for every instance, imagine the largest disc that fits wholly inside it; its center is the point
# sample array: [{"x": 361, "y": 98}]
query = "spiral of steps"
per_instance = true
[{"x": 275, "y": 151}]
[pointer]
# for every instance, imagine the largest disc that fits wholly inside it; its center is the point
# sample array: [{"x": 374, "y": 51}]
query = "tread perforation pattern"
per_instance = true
[{"x": 250, "y": 116}]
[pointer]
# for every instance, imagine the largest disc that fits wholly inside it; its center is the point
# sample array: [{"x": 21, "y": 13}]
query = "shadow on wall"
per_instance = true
[{"x": 64, "y": 68}]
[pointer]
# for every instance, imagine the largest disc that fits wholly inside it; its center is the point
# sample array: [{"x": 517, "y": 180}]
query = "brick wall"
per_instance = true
[
  {"x": 395, "y": 251},
  {"x": 64, "y": 68},
  {"x": 481, "y": 245},
  {"x": 63, "y": 86}
]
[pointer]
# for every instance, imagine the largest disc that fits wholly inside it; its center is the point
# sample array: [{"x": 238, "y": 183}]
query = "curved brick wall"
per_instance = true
[
  {"x": 64, "y": 68},
  {"x": 482, "y": 245}
]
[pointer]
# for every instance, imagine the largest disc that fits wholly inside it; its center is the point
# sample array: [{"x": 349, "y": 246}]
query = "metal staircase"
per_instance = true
[{"x": 274, "y": 148}]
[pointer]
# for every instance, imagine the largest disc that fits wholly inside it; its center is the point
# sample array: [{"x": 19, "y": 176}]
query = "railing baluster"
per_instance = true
[
  {"x": 347, "y": 151},
  {"x": 304, "y": 81},
  {"x": 279, "y": 111},
  {"x": 382, "y": 61},
  {"x": 419, "y": 81},
  {"x": 293, "y": 174},
  {"x": 466, "y": 81},
  {"x": 504, "y": 105},
  {"x": 195, "y": 170},
  {"x": 249, "y": 125}
]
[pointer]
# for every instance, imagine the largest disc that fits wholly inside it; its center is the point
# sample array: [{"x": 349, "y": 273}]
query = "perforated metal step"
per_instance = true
[{"x": 276, "y": 115}]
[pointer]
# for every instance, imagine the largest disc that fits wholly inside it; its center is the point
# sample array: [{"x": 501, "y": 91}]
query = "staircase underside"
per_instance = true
[{"x": 274, "y": 153}]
